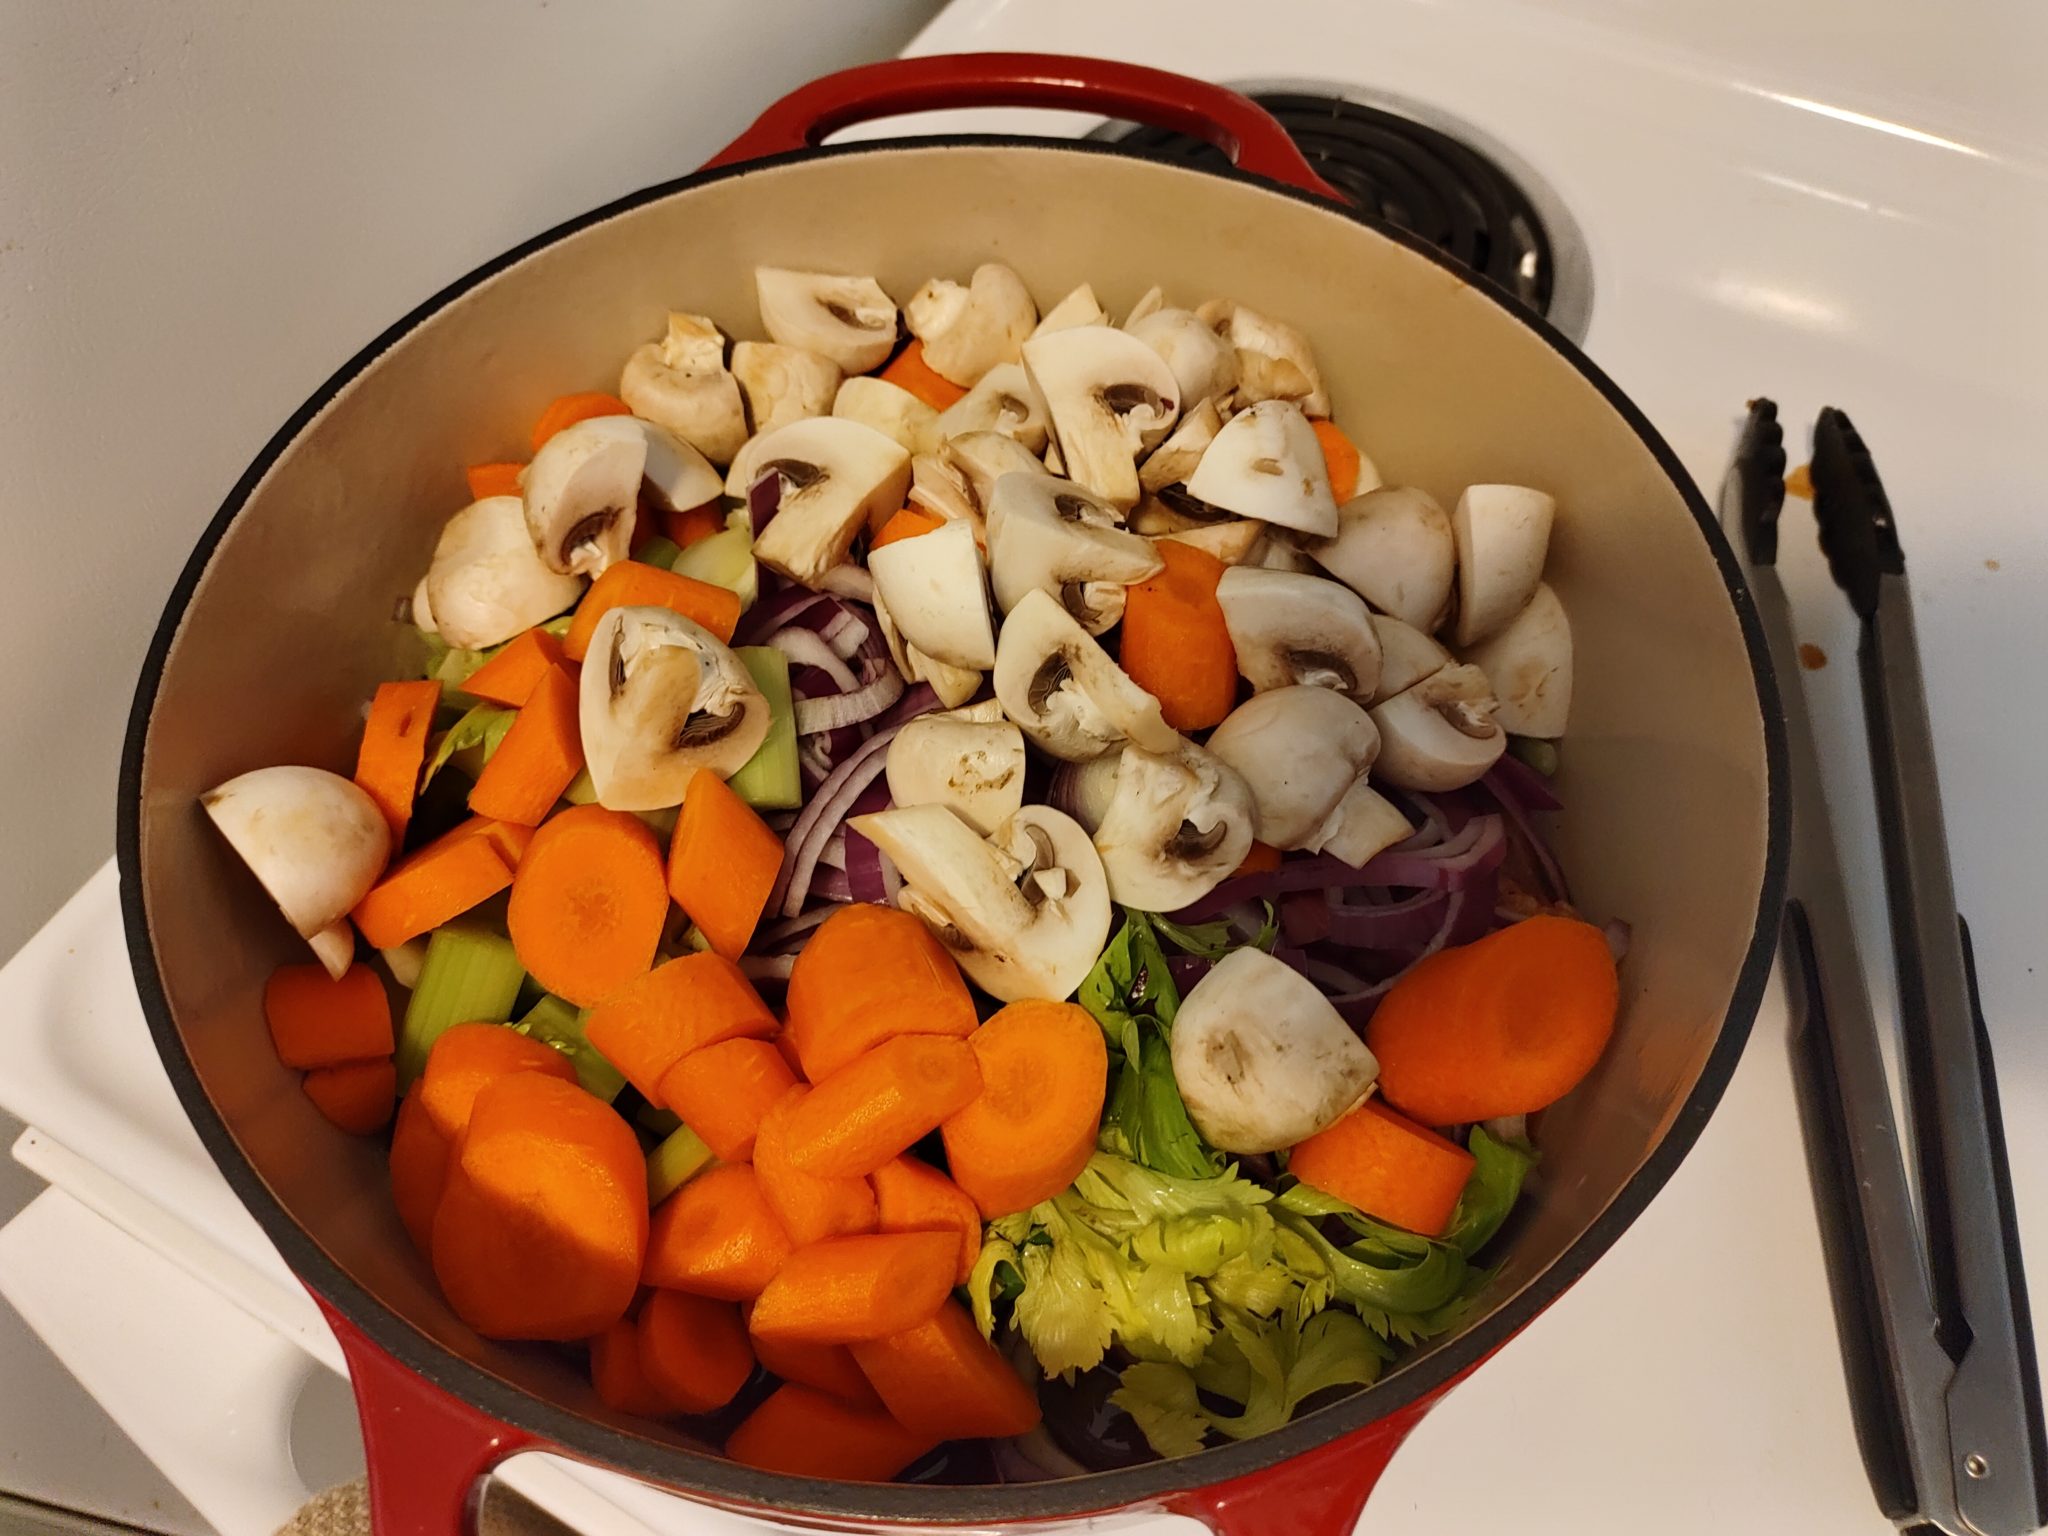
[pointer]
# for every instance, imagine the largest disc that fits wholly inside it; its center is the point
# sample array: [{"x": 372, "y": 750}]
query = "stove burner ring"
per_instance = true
[{"x": 1423, "y": 172}]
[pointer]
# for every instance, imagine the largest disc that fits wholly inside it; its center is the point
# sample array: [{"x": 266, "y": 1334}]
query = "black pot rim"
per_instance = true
[{"x": 699, "y": 1474}]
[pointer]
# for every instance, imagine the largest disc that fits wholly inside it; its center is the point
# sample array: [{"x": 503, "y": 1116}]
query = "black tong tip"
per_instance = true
[
  {"x": 1857, "y": 533},
  {"x": 1758, "y": 471}
]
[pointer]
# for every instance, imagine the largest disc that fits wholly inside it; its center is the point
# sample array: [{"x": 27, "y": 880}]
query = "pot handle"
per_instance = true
[
  {"x": 427, "y": 1451},
  {"x": 1235, "y": 124}
]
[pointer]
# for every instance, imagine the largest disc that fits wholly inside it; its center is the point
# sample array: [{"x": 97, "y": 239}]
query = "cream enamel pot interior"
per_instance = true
[{"x": 280, "y": 626}]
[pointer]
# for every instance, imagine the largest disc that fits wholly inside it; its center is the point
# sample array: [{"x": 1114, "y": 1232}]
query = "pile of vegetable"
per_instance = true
[{"x": 979, "y": 889}]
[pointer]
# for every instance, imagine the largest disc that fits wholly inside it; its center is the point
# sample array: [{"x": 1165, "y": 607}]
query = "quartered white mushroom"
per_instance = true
[
  {"x": 1204, "y": 364},
  {"x": 969, "y": 328},
  {"x": 676, "y": 477},
  {"x": 1109, "y": 398},
  {"x": 1046, "y": 534},
  {"x": 1289, "y": 629},
  {"x": 1176, "y": 825},
  {"x": 1003, "y": 400},
  {"x": 1528, "y": 664},
  {"x": 485, "y": 583},
  {"x": 1150, "y": 302},
  {"x": 941, "y": 487},
  {"x": 1407, "y": 656},
  {"x": 1502, "y": 533},
  {"x": 1278, "y": 551},
  {"x": 1063, "y": 689},
  {"x": 937, "y": 596},
  {"x": 1300, "y": 749},
  {"x": 848, "y": 319},
  {"x": 662, "y": 700},
  {"x": 1274, "y": 360},
  {"x": 1440, "y": 734},
  {"x": 784, "y": 384},
  {"x": 974, "y": 768},
  {"x": 1366, "y": 822},
  {"x": 315, "y": 840},
  {"x": 1232, "y": 540},
  {"x": 835, "y": 475},
  {"x": 420, "y": 607},
  {"x": 1175, "y": 459},
  {"x": 682, "y": 383},
  {"x": 1024, "y": 912},
  {"x": 1266, "y": 463},
  {"x": 985, "y": 457},
  {"x": 954, "y": 685},
  {"x": 891, "y": 410},
  {"x": 1089, "y": 787},
  {"x": 1080, "y": 307},
  {"x": 1262, "y": 1059},
  {"x": 582, "y": 493},
  {"x": 1393, "y": 547}
]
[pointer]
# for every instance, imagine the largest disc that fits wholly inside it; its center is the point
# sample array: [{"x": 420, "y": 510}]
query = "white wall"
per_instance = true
[{"x": 205, "y": 206}]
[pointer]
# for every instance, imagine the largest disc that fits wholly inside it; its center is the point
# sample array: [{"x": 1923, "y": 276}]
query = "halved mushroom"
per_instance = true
[
  {"x": 419, "y": 608},
  {"x": 485, "y": 583},
  {"x": 973, "y": 768},
  {"x": 582, "y": 492},
  {"x": 784, "y": 384},
  {"x": 1289, "y": 629},
  {"x": 1393, "y": 547},
  {"x": 1150, "y": 302},
  {"x": 1080, "y": 307},
  {"x": 848, "y": 319},
  {"x": 1365, "y": 822},
  {"x": 891, "y": 410},
  {"x": 1278, "y": 551},
  {"x": 1407, "y": 656},
  {"x": 1109, "y": 397},
  {"x": 1046, "y": 534},
  {"x": 1262, "y": 1059},
  {"x": 681, "y": 383},
  {"x": 969, "y": 328},
  {"x": 1440, "y": 734},
  {"x": 1300, "y": 749},
  {"x": 1528, "y": 664},
  {"x": 661, "y": 701},
  {"x": 1175, "y": 459},
  {"x": 936, "y": 593},
  {"x": 1003, "y": 400},
  {"x": 985, "y": 457},
  {"x": 1274, "y": 360},
  {"x": 1063, "y": 689},
  {"x": 1025, "y": 912},
  {"x": 940, "y": 487},
  {"x": 1502, "y": 533},
  {"x": 1177, "y": 824},
  {"x": 1232, "y": 540},
  {"x": 1266, "y": 463},
  {"x": 953, "y": 685},
  {"x": 676, "y": 477},
  {"x": 1204, "y": 365},
  {"x": 315, "y": 840},
  {"x": 835, "y": 475}
]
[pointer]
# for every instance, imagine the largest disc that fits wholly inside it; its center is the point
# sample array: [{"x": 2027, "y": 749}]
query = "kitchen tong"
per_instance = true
[{"x": 1929, "y": 1296}]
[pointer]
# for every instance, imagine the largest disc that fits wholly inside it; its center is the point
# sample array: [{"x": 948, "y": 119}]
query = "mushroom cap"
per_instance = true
[
  {"x": 784, "y": 384},
  {"x": 1503, "y": 534},
  {"x": 937, "y": 596},
  {"x": 1175, "y": 459},
  {"x": 836, "y": 475},
  {"x": 942, "y": 488},
  {"x": 847, "y": 319},
  {"x": 1003, "y": 400},
  {"x": 973, "y": 768},
  {"x": 967, "y": 330},
  {"x": 681, "y": 383},
  {"x": 1407, "y": 656},
  {"x": 1063, "y": 689},
  {"x": 1079, "y": 307},
  {"x": 1204, "y": 365},
  {"x": 1394, "y": 548},
  {"x": 485, "y": 584},
  {"x": 581, "y": 494},
  {"x": 891, "y": 410},
  {"x": 676, "y": 477},
  {"x": 1528, "y": 665},
  {"x": 1266, "y": 463},
  {"x": 1109, "y": 397},
  {"x": 1150, "y": 302},
  {"x": 1047, "y": 534},
  {"x": 1176, "y": 826},
  {"x": 1288, "y": 628},
  {"x": 1300, "y": 749},
  {"x": 954, "y": 685},
  {"x": 1274, "y": 360},
  {"x": 1365, "y": 822},
  {"x": 1441, "y": 733}
]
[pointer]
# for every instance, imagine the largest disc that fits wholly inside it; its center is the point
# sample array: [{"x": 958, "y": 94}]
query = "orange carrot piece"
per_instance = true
[
  {"x": 868, "y": 974},
  {"x": 317, "y": 1021},
  {"x": 357, "y": 1096},
  {"x": 467, "y": 1059},
  {"x": 717, "y": 1236},
  {"x": 441, "y": 881},
  {"x": 809, "y": 1206},
  {"x": 493, "y": 480},
  {"x": 394, "y": 747},
  {"x": 943, "y": 1379},
  {"x": 1387, "y": 1166},
  {"x": 693, "y": 1351},
  {"x": 629, "y": 584},
  {"x": 1505, "y": 1026},
  {"x": 419, "y": 1168},
  {"x": 540, "y": 755},
  {"x": 907, "y": 524},
  {"x": 845, "y": 1290},
  {"x": 803, "y": 1432},
  {"x": 653, "y": 1021},
  {"x": 510, "y": 677},
  {"x": 615, "y": 1372},
  {"x": 879, "y": 1104},
  {"x": 1259, "y": 859},
  {"x": 913, "y": 1196},
  {"x": 1044, "y": 1070},
  {"x": 723, "y": 1092},
  {"x": 588, "y": 903},
  {"x": 910, "y": 371},
  {"x": 828, "y": 1367},
  {"x": 542, "y": 1225},
  {"x": 1340, "y": 457},
  {"x": 784, "y": 1042},
  {"x": 722, "y": 863},
  {"x": 693, "y": 525},
  {"x": 1175, "y": 643},
  {"x": 567, "y": 410}
]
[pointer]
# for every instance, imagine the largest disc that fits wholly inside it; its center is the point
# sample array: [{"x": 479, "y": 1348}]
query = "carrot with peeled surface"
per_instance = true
[
  {"x": 630, "y": 584},
  {"x": 486, "y": 480},
  {"x": 906, "y": 524},
  {"x": 809, "y": 1206},
  {"x": 909, "y": 371},
  {"x": 724, "y": 1091},
  {"x": 394, "y": 747},
  {"x": 419, "y": 1168},
  {"x": 317, "y": 1020},
  {"x": 567, "y": 410},
  {"x": 1387, "y": 1166},
  {"x": 1175, "y": 644},
  {"x": 509, "y": 677},
  {"x": 803, "y": 1432},
  {"x": 540, "y": 756},
  {"x": 1044, "y": 1071},
  {"x": 588, "y": 905},
  {"x": 942, "y": 1378},
  {"x": 722, "y": 863},
  {"x": 693, "y": 1351},
  {"x": 694, "y": 524},
  {"x": 867, "y": 974},
  {"x": 880, "y": 1104},
  {"x": 1504, "y": 1026},
  {"x": 615, "y": 1372},
  {"x": 1260, "y": 859},
  {"x": 1340, "y": 457},
  {"x": 716, "y": 1236},
  {"x": 438, "y": 883},
  {"x": 828, "y": 1367},
  {"x": 356, "y": 1096},
  {"x": 913, "y": 1196},
  {"x": 650, "y": 1022},
  {"x": 846, "y": 1290}
]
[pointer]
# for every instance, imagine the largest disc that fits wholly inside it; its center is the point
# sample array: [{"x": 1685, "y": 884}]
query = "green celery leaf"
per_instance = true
[
  {"x": 482, "y": 728},
  {"x": 1146, "y": 1110},
  {"x": 1490, "y": 1193}
]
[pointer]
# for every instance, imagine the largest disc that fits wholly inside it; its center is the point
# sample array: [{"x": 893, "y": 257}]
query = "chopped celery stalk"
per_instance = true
[
  {"x": 674, "y": 1163},
  {"x": 657, "y": 1122},
  {"x": 582, "y": 789},
  {"x": 470, "y": 741},
  {"x": 658, "y": 551},
  {"x": 560, "y": 1023},
  {"x": 695, "y": 941},
  {"x": 469, "y": 974},
  {"x": 1536, "y": 752},
  {"x": 663, "y": 821},
  {"x": 769, "y": 780},
  {"x": 725, "y": 560},
  {"x": 558, "y": 626}
]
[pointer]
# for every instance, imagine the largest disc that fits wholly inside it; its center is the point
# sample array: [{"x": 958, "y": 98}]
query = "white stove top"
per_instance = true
[{"x": 1842, "y": 207}]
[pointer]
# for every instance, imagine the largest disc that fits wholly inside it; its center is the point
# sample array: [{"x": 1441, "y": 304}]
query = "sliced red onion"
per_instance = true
[
  {"x": 790, "y": 605},
  {"x": 892, "y": 879},
  {"x": 1394, "y": 925},
  {"x": 767, "y": 967},
  {"x": 1357, "y": 1007},
  {"x": 1305, "y": 916},
  {"x": 780, "y": 821},
  {"x": 833, "y": 854},
  {"x": 1478, "y": 846},
  {"x": 1510, "y": 777},
  {"x": 863, "y": 868},
  {"x": 838, "y": 709},
  {"x": 831, "y": 885},
  {"x": 849, "y": 580},
  {"x": 1187, "y": 970},
  {"x": 764, "y": 499},
  {"x": 917, "y": 700},
  {"x": 1318, "y": 872},
  {"x": 1518, "y": 798},
  {"x": 828, "y": 807},
  {"x": 1331, "y": 977},
  {"x": 791, "y": 931},
  {"x": 1063, "y": 789},
  {"x": 849, "y": 634},
  {"x": 1433, "y": 827},
  {"x": 806, "y": 648}
]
